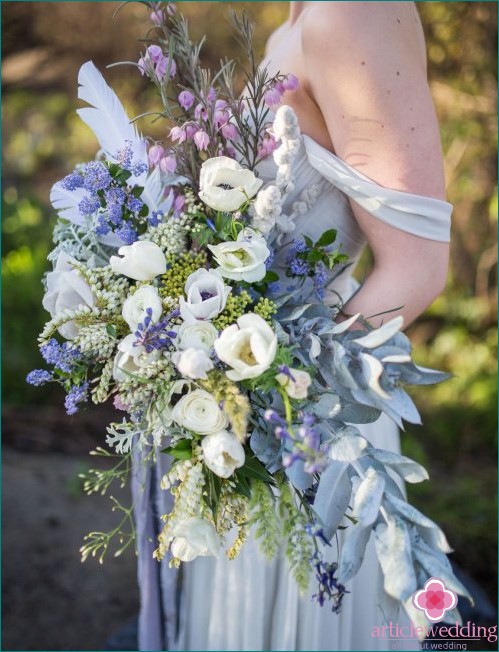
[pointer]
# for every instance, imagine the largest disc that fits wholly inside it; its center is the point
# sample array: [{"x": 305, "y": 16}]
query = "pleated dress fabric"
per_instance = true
[{"x": 250, "y": 603}]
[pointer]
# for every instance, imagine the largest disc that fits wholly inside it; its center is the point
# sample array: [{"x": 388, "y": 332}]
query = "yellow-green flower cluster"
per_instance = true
[
  {"x": 173, "y": 280},
  {"x": 268, "y": 529},
  {"x": 235, "y": 405},
  {"x": 266, "y": 309},
  {"x": 234, "y": 308}
]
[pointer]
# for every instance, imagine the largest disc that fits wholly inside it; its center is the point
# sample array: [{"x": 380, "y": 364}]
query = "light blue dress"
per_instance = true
[{"x": 249, "y": 603}]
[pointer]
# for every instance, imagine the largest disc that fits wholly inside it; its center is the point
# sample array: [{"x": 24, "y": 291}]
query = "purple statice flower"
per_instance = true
[
  {"x": 221, "y": 114},
  {"x": 179, "y": 204},
  {"x": 299, "y": 267},
  {"x": 156, "y": 336},
  {"x": 201, "y": 112},
  {"x": 290, "y": 82},
  {"x": 267, "y": 146},
  {"x": 127, "y": 233},
  {"x": 72, "y": 181},
  {"x": 155, "y": 218},
  {"x": 272, "y": 97},
  {"x": 89, "y": 205},
  {"x": 186, "y": 100},
  {"x": 155, "y": 154},
  {"x": 95, "y": 176},
  {"x": 191, "y": 129},
  {"x": 230, "y": 131},
  {"x": 329, "y": 587},
  {"x": 134, "y": 204},
  {"x": 62, "y": 356},
  {"x": 157, "y": 17},
  {"x": 201, "y": 140},
  {"x": 320, "y": 280},
  {"x": 77, "y": 394},
  {"x": 39, "y": 377}
]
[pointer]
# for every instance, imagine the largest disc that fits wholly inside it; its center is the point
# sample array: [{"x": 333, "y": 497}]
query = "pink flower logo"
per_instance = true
[{"x": 434, "y": 599}]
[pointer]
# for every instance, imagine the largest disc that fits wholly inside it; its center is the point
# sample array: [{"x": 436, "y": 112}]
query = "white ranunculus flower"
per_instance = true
[
  {"x": 135, "y": 306},
  {"x": 198, "y": 335},
  {"x": 193, "y": 363},
  {"x": 142, "y": 261},
  {"x": 206, "y": 295},
  {"x": 296, "y": 384},
  {"x": 130, "y": 358},
  {"x": 244, "y": 259},
  {"x": 223, "y": 453},
  {"x": 224, "y": 185},
  {"x": 66, "y": 290},
  {"x": 195, "y": 537},
  {"x": 198, "y": 411},
  {"x": 249, "y": 347}
]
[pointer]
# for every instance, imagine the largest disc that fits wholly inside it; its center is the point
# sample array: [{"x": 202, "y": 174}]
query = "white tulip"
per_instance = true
[
  {"x": 225, "y": 185},
  {"x": 198, "y": 411},
  {"x": 296, "y": 383},
  {"x": 223, "y": 453},
  {"x": 193, "y": 363},
  {"x": 142, "y": 261},
  {"x": 206, "y": 296},
  {"x": 198, "y": 335},
  {"x": 66, "y": 290},
  {"x": 195, "y": 537},
  {"x": 244, "y": 259},
  {"x": 249, "y": 347},
  {"x": 130, "y": 358},
  {"x": 135, "y": 306}
]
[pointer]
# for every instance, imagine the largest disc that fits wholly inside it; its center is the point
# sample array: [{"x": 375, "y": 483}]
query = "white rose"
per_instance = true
[
  {"x": 130, "y": 358},
  {"x": 206, "y": 295},
  {"x": 135, "y": 306},
  {"x": 142, "y": 261},
  {"x": 296, "y": 383},
  {"x": 195, "y": 537},
  {"x": 198, "y": 411},
  {"x": 223, "y": 453},
  {"x": 193, "y": 363},
  {"x": 224, "y": 185},
  {"x": 199, "y": 335},
  {"x": 66, "y": 290},
  {"x": 244, "y": 259},
  {"x": 249, "y": 347}
]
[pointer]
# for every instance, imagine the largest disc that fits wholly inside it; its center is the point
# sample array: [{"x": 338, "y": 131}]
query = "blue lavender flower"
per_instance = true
[
  {"x": 72, "y": 181},
  {"x": 320, "y": 280},
  {"x": 299, "y": 267},
  {"x": 329, "y": 587},
  {"x": 39, "y": 377},
  {"x": 138, "y": 168},
  {"x": 298, "y": 246},
  {"x": 127, "y": 233},
  {"x": 96, "y": 176},
  {"x": 89, "y": 205},
  {"x": 274, "y": 288},
  {"x": 135, "y": 205},
  {"x": 77, "y": 394},
  {"x": 158, "y": 335},
  {"x": 270, "y": 258},
  {"x": 156, "y": 218},
  {"x": 62, "y": 356}
]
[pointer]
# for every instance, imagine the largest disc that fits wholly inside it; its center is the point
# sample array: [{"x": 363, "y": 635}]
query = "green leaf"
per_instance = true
[
  {"x": 111, "y": 330},
  {"x": 253, "y": 468},
  {"x": 144, "y": 211},
  {"x": 123, "y": 176},
  {"x": 182, "y": 451},
  {"x": 137, "y": 191},
  {"x": 270, "y": 277},
  {"x": 242, "y": 485},
  {"x": 327, "y": 238},
  {"x": 308, "y": 241}
]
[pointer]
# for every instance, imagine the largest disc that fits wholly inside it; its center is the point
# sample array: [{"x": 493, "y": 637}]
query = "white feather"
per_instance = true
[
  {"x": 107, "y": 117},
  {"x": 66, "y": 202}
]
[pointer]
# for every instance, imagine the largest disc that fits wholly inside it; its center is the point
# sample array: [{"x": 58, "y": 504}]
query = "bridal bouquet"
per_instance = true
[{"x": 164, "y": 298}]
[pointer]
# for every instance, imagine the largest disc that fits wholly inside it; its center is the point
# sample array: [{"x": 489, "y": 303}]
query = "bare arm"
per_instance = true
[{"x": 366, "y": 71}]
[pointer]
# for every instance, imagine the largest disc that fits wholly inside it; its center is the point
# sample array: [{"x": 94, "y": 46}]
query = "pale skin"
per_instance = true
[{"x": 364, "y": 96}]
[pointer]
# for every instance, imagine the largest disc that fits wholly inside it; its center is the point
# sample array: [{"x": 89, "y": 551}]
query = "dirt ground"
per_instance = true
[{"x": 51, "y": 601}]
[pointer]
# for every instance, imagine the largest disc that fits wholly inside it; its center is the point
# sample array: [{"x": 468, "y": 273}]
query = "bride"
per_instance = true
[{"x": 371, "y": 149}]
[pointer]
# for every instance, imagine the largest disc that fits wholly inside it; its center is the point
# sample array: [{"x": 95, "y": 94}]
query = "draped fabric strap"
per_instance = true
[{"x": 425, "y": 217}]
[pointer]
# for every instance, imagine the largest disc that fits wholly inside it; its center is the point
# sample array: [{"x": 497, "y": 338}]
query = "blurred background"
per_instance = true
[{"x": 50, "y": 601}]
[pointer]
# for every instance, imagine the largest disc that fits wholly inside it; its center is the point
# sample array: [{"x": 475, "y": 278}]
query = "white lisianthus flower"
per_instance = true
[
  {"x": 142, "y": 261},
  {"x": 193, "y": 363},
  {"x": 249, "y": 347},
  {"x": 130, "y": 358},
  {"x": 135, "y": 306},
  {"x": 198, "y": 411},
  {"x": 266, "y": 209},
  {"x": 206, "y": 295},
  {"x": 244, "y": 259},
  {"x": 199, "y": 335},
  {"x": 66, "y": 290},
  {"x": 195, "y": 537},
  {"x": 296, "y": 383},
  {"x": 223, "y": 453},
  {"x": 225, "y": 185}
]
